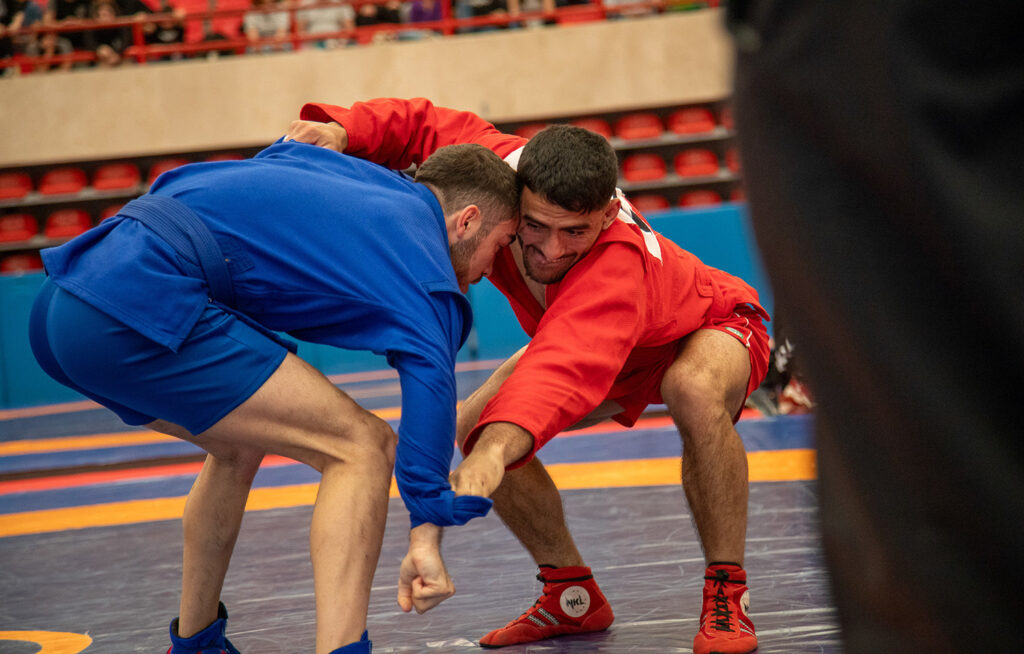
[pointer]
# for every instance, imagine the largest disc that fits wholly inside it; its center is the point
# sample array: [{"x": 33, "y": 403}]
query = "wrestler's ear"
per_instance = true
[
  {"x": 467, "y": 221},
  {"x": 611, "y": 212}
]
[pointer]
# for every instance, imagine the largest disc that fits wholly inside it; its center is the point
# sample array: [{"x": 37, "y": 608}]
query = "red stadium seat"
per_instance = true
[
  {"x": 643, "y": 125},
  {"x": 643, "y": 167},
  {"x": 14, "y": 186},
  {"x": 529, "y": 131},
  {"x": 738, "y": 195},
  {"x": 25, "y": 262},
  {"x": 17, "y": 227},
  {"x": 597, "y": 125},
  {"x": 62, "y": 180},
  {"x": 727, "y": 121},
  {"x": 691, "y": 120},
  {"x": 162, "y": 166},
  {"x": 116, "y": 176},
  {"x": 697, "y": 162},
  {"x": 66, "y": 223},
  {"x": 649, "y": 203},
  {"x": 699, "y": 199},
  {"x": 732, "y": 160},
  {"x": 110, "y": 211}
]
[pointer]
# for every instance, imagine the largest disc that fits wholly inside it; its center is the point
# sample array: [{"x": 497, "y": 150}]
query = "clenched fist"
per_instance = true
[{"x": 327, "y": 135}]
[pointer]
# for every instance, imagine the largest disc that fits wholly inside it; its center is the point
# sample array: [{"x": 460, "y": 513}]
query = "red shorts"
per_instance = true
[{"x": 641, "y": 386}]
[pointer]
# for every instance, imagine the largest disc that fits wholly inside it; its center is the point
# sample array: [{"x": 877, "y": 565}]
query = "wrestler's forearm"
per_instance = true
[{"x": 500, "y": 445}]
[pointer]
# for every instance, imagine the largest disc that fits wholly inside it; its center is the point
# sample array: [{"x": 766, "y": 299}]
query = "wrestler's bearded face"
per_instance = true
[{"x": 473, "y": 257}]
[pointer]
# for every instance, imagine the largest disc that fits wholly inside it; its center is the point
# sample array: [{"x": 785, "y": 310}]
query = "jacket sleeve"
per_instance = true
[
  {"x": 426, "y": 434},
  {"x": 397, "y": 133},
  {"x": 580, "y": 345}
]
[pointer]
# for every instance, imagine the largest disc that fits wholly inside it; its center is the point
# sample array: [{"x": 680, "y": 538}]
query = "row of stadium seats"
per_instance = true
[
  {"x": 645, "y": 125},
  {"x": 649, "y": 203},
  {"x": 67, "y": 180},
  {"x": 44, "y": 206},
  {"x": 692, "y": 162},
  {"x": 60, "y": 224},
  {"x": 21, "y": 262},
  {"x": 67, "y": 223}
]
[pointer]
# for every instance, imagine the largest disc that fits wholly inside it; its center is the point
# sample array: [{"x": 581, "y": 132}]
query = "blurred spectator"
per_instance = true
[
  {"x": 6, "y": 25},
  {"x": 18, "y": 14},
  {"x": 371, "y": 14},
  {"x": 366, "y": 15},
  {"x": 337, "y": 17},
  {"x": 391, "y": 12},
  {"x": 477, "y": 8},
  {"x": 107, "y": 42},
  {"x": 881, "y": 149},
  {"x": 136, "y": 8},
  {"x": 14, "y": 15},
  {"x": 515, "y": 7},
  {"x": 423, "y": 11},
  {"x": 66, "y": 12},
  {"x": 167, "y": 31},
  {"x": 47, "y": 45},
  {"x": 261, "y": 25}
]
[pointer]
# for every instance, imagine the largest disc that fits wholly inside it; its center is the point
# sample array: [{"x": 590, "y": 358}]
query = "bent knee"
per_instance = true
[
  {"x": 699, "y": 400},
  {"x": 369, "y": 440},
  {"x": 243, "y": 462}
]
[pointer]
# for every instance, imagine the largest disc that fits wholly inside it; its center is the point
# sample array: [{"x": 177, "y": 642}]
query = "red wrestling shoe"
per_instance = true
[
  {"x": 725, "y": 627},
  {"x": 571, "y": 603}
]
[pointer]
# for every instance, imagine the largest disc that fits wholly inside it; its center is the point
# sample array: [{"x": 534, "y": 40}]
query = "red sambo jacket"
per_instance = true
[{"x": 611, "y": 326}]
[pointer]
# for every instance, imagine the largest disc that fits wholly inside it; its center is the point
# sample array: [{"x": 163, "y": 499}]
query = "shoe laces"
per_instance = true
[
  {"x": 721, "y": 615},
  {"x": 546, "y": 591},
  {"x": 544, "y": 594}
]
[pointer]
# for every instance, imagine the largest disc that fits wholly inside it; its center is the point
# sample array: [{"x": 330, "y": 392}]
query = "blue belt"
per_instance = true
[{"x": 182, "y": 229}]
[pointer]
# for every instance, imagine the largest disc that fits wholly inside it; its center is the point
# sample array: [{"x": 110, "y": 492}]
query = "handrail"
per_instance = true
[{"x": 142, "y": 52}]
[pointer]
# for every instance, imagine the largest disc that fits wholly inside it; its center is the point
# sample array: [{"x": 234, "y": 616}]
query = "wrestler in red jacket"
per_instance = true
[{"x": 620, "y": 318}]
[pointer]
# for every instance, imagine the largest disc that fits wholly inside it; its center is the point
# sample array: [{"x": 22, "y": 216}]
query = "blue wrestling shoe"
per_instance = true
[
  {"x": 362, "y": 646},
  {"x": 208, "y": 641}
]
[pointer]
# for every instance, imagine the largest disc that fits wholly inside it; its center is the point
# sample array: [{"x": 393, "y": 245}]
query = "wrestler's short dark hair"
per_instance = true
[
  {"x": 570, "y": 166},
  {"x": 471, "y": 174}
]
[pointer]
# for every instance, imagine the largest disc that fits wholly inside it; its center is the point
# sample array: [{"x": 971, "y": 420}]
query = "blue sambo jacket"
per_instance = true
[{"x": 325, "y": 247}]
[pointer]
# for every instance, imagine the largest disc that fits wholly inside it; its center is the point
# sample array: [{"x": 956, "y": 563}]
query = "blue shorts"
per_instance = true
[{"x": 222, "y": 362}]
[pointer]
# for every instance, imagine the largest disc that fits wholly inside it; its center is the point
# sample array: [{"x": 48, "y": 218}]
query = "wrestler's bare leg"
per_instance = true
[
  {"x": 703, "y": 389},
  {"x": 297, "y": 413}
]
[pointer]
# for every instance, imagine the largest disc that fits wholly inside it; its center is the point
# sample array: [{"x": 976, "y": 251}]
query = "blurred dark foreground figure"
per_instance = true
[{"x": 882, "y": 144}]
